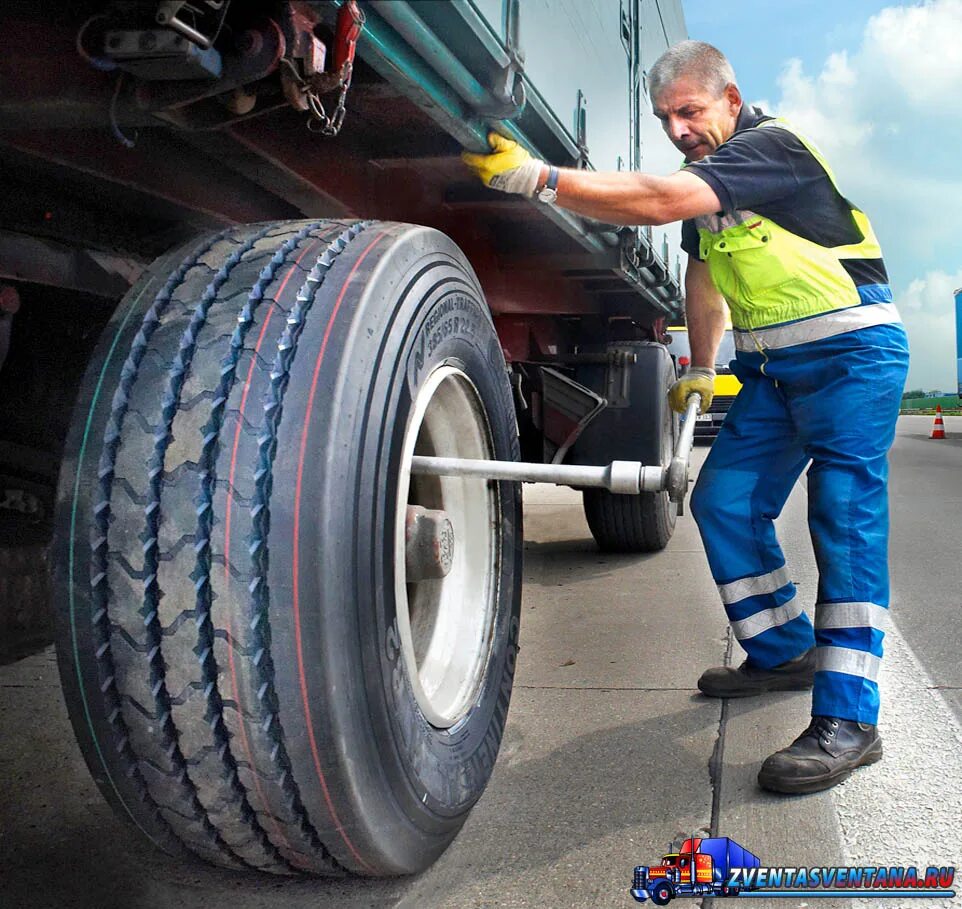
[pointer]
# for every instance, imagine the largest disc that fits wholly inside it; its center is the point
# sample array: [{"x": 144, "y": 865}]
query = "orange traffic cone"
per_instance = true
[{"x": 938, "y": 429}]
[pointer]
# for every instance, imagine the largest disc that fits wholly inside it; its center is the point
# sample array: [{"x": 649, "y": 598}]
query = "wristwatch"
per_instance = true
[{"x": 549, "y": 192}]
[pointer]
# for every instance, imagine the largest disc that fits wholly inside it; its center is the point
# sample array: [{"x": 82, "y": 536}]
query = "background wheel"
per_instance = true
[
  {"x": 643, "y": 522},
  {"x": 259, "y": 668}
]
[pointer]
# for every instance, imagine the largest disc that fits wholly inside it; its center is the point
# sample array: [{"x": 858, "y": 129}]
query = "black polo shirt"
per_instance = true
[{"x": 771, "y": 173}]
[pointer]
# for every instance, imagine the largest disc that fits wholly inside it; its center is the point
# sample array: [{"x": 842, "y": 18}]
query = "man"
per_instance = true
[{"x": 822, "y": 356}]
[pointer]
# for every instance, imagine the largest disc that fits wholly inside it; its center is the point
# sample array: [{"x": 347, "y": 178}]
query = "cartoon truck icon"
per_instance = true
[{"x": 701, "y": 867}]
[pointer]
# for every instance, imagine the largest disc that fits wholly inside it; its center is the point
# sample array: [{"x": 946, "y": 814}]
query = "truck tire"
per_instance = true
[
  {"x": 643, "y": 522},
  {"x": 254, "y": 675},
  {"x": 661, "y": 894}
]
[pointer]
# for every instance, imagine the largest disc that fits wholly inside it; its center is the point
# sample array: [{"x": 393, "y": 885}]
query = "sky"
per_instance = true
[{"x": 878, "y": 86}]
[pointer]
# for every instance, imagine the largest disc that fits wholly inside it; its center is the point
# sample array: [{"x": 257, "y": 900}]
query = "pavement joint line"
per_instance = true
[{"x": 716, "y": 764}]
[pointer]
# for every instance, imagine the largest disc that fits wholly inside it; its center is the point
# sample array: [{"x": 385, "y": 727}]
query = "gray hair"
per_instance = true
[{"x": 706, "y": 64}]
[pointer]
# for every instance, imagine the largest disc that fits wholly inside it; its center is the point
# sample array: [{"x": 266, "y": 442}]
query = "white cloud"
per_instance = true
[
  {"x": 927, "y": 295},
  {"x": 888, "y": 117},
  {"x": 917, "y": 49},
  {"x": 931, "y": 328}
]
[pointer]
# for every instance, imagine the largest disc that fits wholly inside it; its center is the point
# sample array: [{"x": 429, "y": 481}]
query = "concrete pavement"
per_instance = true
[
  {"x": 926, "y": 497},
  {"x": 610, "y": 753}
]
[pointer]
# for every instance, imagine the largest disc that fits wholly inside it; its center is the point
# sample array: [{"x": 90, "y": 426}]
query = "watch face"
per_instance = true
[{"x": 548, "y": 195}]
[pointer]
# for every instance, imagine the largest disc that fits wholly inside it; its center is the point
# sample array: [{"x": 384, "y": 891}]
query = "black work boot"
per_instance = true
[
  {"x": 824, "y": 754},
  {"x": 748, "y": 679}
]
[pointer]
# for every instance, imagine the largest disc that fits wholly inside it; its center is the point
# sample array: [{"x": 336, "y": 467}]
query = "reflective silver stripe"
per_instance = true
[
  {"x": 767, "y": 618},
  {"x": 716, "y": 223},
  {"x": 826, "y": 325},
  {"x": 752, "y": 587},
  {"x": 851, "y": 662},
  {"x": 850, "y": 615}
]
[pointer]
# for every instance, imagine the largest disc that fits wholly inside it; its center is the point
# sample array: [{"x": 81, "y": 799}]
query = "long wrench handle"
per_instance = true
[
  {"x": 686, "y": 437},
  {"x": 678, "y": 469}
]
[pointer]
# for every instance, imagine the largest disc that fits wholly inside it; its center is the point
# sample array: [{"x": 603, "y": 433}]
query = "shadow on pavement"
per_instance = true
[{"x": 640, "y": 767}]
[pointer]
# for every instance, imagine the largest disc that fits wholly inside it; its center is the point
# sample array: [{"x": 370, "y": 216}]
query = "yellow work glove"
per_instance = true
[
  {"x": 509, "y": 168},
  {"x": 698, "y": 378}
]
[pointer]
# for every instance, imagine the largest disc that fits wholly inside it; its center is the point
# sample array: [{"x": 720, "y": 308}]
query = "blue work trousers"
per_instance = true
[{"x": 832, "y": 403}]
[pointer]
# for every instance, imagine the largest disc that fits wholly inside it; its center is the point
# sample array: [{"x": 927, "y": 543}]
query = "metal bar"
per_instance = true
[
  {"x": 42, "y": 261},
  {"x": 489, "y": 38},
  {"x": 403, "y": 66},
  {"x": 438, "y": 56},
  {"x": 624, "y": 477},
  {"x": 538, "y": 104},
  {"x": 491, "y": 42},
  {"x": 415, "y": 60},
  {"x": 677, "y": 474}
]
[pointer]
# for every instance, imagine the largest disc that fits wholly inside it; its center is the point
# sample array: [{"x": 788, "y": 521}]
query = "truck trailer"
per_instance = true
[{"x": 250, "y": 295}]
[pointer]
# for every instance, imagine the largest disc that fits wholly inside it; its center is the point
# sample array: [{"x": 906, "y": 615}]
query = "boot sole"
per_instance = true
[
  {"x": 818, "y": 783},
  {"x": 761, "y": 688}
]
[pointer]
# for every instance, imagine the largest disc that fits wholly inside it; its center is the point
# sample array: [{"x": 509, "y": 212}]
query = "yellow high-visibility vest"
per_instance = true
[{"x": 770, "y": 275}]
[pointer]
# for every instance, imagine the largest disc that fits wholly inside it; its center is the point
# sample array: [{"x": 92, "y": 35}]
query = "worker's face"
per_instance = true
[{"x": 696, "y": 121}]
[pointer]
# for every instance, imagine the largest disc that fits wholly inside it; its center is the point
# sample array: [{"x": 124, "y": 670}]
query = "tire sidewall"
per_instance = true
[
  {"x": 453, "y": 329},
  {"x": 388, "y": 337}
]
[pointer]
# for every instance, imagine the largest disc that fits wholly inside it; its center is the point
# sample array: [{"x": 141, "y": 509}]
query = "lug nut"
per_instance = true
[{"x": 429, "y": 544}]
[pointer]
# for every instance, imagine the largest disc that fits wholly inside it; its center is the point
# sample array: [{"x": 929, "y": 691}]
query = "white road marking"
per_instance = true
[{"x": 907, "y": 809}]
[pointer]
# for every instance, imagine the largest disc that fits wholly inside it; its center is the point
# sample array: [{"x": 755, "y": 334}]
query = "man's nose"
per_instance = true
[{"x": 677, "y": 128}]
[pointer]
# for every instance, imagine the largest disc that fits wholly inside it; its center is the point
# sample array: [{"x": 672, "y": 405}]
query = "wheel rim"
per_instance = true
[{"x": 446, "y": 624}]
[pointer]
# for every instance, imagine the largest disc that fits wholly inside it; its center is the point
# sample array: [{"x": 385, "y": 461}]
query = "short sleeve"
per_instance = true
[
  {"x": 689, "y": 239},
  {"x": 758, "y": 166}
]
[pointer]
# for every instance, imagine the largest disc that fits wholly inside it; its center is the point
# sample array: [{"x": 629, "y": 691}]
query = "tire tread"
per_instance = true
[
  {"x": 627, "y": 523},
  {"x": 158, "y": 668}
]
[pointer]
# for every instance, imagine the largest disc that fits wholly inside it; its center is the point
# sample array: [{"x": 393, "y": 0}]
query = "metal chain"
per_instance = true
[{"x": 319, "y": 121}]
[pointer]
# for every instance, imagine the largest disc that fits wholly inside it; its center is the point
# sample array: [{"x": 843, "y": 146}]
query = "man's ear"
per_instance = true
[{"x": 733, "y": 96}]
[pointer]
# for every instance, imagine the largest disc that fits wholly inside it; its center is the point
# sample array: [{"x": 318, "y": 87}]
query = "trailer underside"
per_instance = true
[
  {"x": 106, "y": 167},
  {"x": 65, "y": 125}
]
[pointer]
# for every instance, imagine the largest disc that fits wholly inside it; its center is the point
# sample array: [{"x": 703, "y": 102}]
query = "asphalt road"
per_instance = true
[{"x": 610, "y": 752}]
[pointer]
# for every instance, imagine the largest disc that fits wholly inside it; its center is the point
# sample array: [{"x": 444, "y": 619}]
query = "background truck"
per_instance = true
[
  {"x": 701, "y": 867},
  {"x": 246, "y": 282},
  {"x": 726, "y": 383}
]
